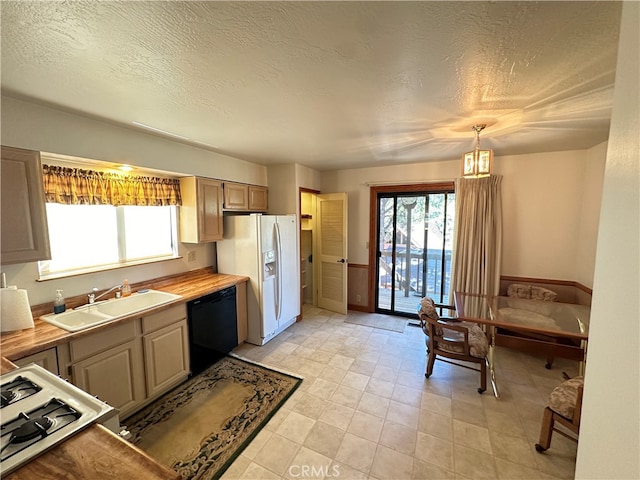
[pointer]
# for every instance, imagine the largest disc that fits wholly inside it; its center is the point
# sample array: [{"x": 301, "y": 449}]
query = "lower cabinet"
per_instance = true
[
  {"x": 109, "y": 365},
  {"x": 47, "y": 359},
  {"x": 134, "y": 362},
  {"x": 115, "y": 376},
  {"x": 166, "y": 357}
]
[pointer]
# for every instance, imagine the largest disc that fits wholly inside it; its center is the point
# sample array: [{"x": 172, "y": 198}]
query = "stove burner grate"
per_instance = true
[
  {"x": 7, "y": 396},
  {"x": 16, "y": 390},
  {"x": 31, "y": 427}
]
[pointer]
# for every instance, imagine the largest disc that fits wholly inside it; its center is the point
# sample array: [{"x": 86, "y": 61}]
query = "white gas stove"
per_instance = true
[{"x": 40, "y": 410}]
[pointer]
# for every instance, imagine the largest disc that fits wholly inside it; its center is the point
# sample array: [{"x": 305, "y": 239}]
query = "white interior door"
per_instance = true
[{"x": 331, "y": 263}]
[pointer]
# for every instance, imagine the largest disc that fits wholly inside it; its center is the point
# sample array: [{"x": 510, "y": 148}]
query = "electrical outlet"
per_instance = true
[
  {"x": 358, "y": 298},
  {"x": 191, "y": 256}
]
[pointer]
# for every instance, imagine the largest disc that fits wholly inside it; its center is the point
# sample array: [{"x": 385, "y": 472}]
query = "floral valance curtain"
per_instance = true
[{"x": 73, "y": 186}]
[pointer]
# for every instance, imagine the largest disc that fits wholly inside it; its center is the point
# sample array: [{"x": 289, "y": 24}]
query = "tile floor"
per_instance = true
[{"x": 366, "y": 411}]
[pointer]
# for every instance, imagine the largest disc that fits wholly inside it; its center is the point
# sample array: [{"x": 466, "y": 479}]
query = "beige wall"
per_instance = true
[
  {"x": 36, "y": 127},
  {"x": 357, "y": 182},
  {"x": 610, "y": 428},
  {"x": 551, "y": 237},
  {"x": 27, "y": 125},
  {"x": 549, "y": 201},
  {"x": 283, "y": 193},
  {"x": 541, "y": 197},
  {"x": 285, "y": 182},
  {"x": 590, "y": 218},
  {"x": 307, "y": 177},
  {"x": 548, "y": 204}
]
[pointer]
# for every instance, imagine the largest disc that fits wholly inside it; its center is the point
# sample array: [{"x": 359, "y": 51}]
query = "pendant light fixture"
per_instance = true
[{"x": 477, "y": 163}]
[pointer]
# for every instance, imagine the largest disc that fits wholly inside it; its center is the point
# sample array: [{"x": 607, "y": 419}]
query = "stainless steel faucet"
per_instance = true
[{"x": 93, "y": 298}]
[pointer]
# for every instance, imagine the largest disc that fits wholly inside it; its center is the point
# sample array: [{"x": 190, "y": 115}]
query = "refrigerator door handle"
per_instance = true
[{"x": 278, "y": 289}]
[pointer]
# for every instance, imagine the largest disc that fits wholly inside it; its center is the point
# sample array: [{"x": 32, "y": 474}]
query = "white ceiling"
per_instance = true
[{"x": 325, "y": 84}]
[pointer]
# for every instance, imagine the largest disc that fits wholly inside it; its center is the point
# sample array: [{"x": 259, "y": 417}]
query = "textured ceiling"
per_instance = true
[{"x": 325, "y": 84}]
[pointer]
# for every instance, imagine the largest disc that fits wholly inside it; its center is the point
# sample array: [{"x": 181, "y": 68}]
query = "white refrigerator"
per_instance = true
[{"x": 264, "y": 248}]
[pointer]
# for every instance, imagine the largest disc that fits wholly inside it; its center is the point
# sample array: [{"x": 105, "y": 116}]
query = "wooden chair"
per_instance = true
[
  {"x": 565, "y": 407},
  {"x": 454, "y": 340}
]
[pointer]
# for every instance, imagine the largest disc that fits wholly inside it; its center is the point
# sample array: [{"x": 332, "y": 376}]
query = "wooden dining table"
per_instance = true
[{"x": 559, "y": 328}]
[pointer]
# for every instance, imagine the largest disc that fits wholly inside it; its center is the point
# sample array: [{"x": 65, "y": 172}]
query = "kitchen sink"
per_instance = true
[
  {"x": 136, "y": 302},
  {"x": 75, "y": 320},
  {"x": 101, "y": 312}
]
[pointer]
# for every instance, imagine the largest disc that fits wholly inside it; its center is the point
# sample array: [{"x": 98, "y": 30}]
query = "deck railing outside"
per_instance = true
[{"x": 415, "y": 277}]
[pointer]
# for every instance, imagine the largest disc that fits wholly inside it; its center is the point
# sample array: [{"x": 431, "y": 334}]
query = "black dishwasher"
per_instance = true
[{"x": 213, "y": 328}]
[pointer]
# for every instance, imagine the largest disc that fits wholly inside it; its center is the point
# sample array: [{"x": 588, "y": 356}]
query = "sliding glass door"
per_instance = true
[{"x": 414, "y": 243}]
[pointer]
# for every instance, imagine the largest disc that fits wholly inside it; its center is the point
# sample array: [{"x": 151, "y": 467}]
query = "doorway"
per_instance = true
[
  {"x": 414, "y": 241},
  {"x": 323, "y": 250},
  {"x": 307, "y": 226}
]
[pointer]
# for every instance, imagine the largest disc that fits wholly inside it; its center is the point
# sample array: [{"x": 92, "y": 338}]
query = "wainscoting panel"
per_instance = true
[
  {"x": 358, "y": 287},
  {"x": 568, "y": 291}
]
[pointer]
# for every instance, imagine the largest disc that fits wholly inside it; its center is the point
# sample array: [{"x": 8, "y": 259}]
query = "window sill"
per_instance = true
[{"x": 105, "y": 268}]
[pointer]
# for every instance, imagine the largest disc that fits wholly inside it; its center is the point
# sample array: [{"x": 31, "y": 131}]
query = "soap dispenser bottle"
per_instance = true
[
  {"x": 126, "y": 288},
  {"x": 58, "y": 303}
]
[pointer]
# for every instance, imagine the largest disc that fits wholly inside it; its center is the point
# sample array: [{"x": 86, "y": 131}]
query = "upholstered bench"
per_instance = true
[
  {"x": 519, "y": 290},
  {"x": 531, "y": 292}
]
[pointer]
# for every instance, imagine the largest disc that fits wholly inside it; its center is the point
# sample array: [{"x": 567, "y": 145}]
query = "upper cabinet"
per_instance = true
[
  {"x": 25, "y": 237},
  {"x": 258, "y": 198},
  {"x": 236, "y": 196},
  {"x": 245, "y": 198},
  {"x": 201, "y": 210}
]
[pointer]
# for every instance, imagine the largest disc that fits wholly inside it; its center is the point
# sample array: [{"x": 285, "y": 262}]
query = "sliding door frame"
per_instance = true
[{"x": 374, "y": 194}]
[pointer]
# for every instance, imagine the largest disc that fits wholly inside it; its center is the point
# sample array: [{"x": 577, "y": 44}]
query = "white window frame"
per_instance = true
[{"x": 43, "y": 266}]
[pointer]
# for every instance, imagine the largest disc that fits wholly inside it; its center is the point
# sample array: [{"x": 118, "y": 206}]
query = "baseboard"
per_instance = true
[{"x": 358, "y": 308}]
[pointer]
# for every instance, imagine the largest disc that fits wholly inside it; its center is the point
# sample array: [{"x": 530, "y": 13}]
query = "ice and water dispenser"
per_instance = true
[{"x": 269, "y": 261}]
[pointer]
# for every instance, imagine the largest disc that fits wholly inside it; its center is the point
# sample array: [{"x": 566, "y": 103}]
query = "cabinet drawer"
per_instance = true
[
  {"x": 98, "y": 342},
  {"x": 166, "y": 317}
]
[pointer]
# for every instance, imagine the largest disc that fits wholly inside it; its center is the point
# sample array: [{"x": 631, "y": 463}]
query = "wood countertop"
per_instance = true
[
  {"x": 94, "y": 454},
  {"x": 97, "y": 453},
  {"x": 190, "y": 285}
]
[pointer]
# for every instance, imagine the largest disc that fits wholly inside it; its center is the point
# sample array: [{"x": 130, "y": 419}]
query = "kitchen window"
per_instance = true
[
  {"x": 90, "y": 238},
  {"x": 100, "y": 220}
]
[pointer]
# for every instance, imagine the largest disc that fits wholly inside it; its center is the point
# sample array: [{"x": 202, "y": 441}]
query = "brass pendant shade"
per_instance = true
[{"x": 477, "y": 163}]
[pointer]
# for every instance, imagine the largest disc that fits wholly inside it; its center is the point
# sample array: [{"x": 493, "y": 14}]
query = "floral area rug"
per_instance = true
[{"x": 199, "y": 428}]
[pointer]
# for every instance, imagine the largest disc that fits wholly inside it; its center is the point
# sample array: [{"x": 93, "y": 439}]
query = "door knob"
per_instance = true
[{"x": 342, "y": 260}]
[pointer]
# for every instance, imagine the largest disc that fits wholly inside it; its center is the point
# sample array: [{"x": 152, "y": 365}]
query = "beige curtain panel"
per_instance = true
[
  {"x": 73, "y": 186},
  {"x": 477, "y": 246}
]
